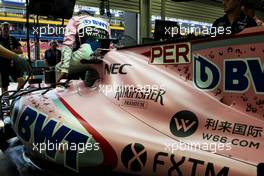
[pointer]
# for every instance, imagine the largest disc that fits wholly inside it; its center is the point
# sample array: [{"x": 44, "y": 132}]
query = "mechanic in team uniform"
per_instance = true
[
  {"x": 7, "y": 67},
  {"x": 52, "y": 55},
  {"x": 81, "y": 39},
  {"x": 235, "y": 19}
]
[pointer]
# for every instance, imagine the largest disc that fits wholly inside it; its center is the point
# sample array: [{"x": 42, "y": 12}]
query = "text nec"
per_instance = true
[
  {"x": 43, "y": 132},
  {"x": 238, "y": 74},
  {"x": 116, "y": 68}
]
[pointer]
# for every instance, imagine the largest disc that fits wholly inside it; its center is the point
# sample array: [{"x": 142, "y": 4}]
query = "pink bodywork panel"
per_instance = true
[{"x": 151, "y": 121}]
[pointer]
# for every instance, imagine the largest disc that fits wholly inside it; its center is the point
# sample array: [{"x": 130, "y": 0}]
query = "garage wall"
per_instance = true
[{"x": 193, "y": 10}]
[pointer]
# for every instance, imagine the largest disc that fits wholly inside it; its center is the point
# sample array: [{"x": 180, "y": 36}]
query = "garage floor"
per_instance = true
[{"x": 7, "y": 168}]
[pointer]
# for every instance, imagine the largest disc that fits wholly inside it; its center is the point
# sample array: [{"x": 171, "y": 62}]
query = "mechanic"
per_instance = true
[
  {"x": 234, "y": 21},
  {"x": 52, "y": 55},
  {"x": 8, "y": 67},
  {"x": 81, "y": 39},
  {"x": 249, "y": 9}
]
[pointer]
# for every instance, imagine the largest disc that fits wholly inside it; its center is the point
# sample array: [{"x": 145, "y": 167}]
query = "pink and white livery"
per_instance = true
[{"x": 188, "y": 108}]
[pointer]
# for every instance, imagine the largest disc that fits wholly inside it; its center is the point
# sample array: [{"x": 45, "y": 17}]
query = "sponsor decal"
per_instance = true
[
  {"x": 134, "y": 157},
  {"x": 171, "y": 54},
  {"x": 116, "y": 68},
  {"x": 37, "y": 127},
  {"x": 92, "y": 32},
  {"x": 124, "y": 92},
  {"x": 93, "y": 22},
  {"x": 205, "y": 78},
  {"x": 176, "y": 162},
  {"x": 183, "y": 124},
  {"x": 91, "y": 27},
  {"x": 238, "y": 74},
  {"x": 134, "y": 103},
  {"x": 235, "y": 129}
]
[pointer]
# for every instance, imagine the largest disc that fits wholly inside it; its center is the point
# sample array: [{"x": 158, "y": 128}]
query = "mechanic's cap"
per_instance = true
[{"x": 53, "y": 43}]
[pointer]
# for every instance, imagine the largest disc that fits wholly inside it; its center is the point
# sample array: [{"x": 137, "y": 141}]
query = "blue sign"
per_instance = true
[{"x": 14, "y": 2}]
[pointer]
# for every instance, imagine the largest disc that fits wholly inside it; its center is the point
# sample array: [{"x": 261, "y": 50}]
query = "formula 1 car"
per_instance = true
[{"x": 191, "y": 107}]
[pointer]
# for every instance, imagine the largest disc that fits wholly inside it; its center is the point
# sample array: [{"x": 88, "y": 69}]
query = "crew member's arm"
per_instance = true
[
  {"x": 68, "y": 43},
  {"x": 5, "y": 53},
  {"x": 21, "y": 63}
]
